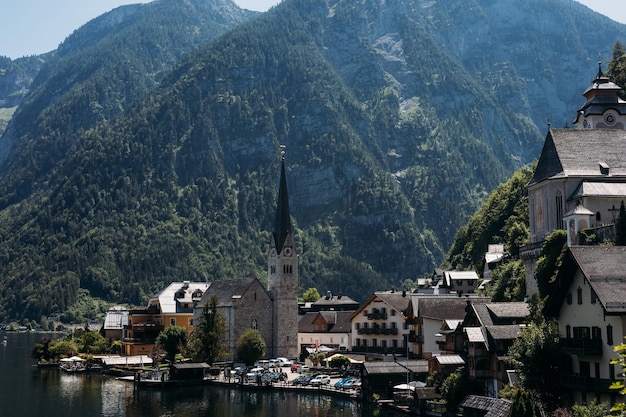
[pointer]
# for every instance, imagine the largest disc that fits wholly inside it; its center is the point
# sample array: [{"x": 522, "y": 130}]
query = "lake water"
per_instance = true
[{"x": 28, "y": 391}]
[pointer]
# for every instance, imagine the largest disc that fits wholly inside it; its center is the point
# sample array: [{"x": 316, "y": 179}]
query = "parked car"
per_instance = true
[
  {"x": 298, "y": 380},
  {"x": 294, "y": 367},
  {"x": 283, "y": 362},
  {"x": 253, "y": 373},
  {"x": 352, "y": 384},
  {"x": 303, "y": 368},
  {"x": 308, "y": 377},
  {"x": 341, "y": 383},
  {"x": 320, "y": 380},
  {"x": 263, "y": 363}
]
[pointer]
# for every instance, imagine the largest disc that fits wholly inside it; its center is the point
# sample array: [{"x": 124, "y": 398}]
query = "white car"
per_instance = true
[
  {"x": 320, "y": 380},
  {"x": 252, "y": 374},
  {"x": 283, "y": 362}
]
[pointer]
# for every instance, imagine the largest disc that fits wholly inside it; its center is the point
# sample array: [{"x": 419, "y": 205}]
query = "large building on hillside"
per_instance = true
[{"x": 580, "y": 179}]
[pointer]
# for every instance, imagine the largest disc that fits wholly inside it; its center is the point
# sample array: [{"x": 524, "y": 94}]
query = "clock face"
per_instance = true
[
  {"x": 287, "y": 251},
  {"x": 610, "y": 119}
]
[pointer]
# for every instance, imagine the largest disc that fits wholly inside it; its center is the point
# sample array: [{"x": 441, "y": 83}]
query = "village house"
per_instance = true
[
  {"x": 427, "y": 314},
  {"x": 329, "y": 329},
  {"x": 378, "y": 326},
  {"x": 488, "y": 331},
  {"x": 589, "y": 301},
  {"x": 173, "y": 306}
]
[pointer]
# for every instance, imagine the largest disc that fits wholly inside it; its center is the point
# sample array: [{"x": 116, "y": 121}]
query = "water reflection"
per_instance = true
[{"x": 26, "y": 391}]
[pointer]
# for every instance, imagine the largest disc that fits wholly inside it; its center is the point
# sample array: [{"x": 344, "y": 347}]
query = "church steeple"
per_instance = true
[
  {"x": 282, "y": 271},
  {"x": 603, "y": 108},
  {"x": 282, "y": 224}
]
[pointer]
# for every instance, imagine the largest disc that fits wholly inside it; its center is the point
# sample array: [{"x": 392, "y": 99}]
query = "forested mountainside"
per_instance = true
[
  {"x": 16, "y": 76},
  {"x": 398, "y": 117},
  {"x": 98, "y": 71}
]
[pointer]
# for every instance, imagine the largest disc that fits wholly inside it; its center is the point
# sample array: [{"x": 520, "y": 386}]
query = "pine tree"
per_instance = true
[
  {"x": 620, "y": 226},
  {"x": 207, "y": 340}
]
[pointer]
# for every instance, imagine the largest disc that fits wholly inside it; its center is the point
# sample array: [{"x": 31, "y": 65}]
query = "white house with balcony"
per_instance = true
[
  {"x": 378, "y": 326},
  {"x": 588, "y": 298}
]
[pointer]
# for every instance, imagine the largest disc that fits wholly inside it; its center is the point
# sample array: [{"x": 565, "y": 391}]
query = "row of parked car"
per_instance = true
[{"x": 316, "y": 379}]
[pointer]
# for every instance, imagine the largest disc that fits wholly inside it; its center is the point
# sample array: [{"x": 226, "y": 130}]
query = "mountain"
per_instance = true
[
  {"x": 398, "y": 119},
  {"x": 99, "y": 70}
]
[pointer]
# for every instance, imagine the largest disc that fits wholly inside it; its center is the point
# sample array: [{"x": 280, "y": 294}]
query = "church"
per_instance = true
[
  {"x": 273, "y": 311},
  {"x": 580, "y": 179}
]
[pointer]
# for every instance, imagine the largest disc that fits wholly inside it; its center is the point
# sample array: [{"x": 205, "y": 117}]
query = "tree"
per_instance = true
[
  {"x": 620, "y": 408},
  {"x": 311, "y": 295},
  {"x": 553, "y": 250},
  {"x": 250, "y": 347},
  {"x": 207, "y": 339},
  {"x": 454, "y": 388},
  {"x": 524, "y": 405},
  {"x": 340, "y": 361},
  {"x": 172, "y": 339},
  {"x": 535, "y": 355},
  {"x": 620, "y": 226}
]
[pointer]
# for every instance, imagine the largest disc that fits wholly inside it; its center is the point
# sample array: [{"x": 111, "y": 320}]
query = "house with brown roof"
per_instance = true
[
  {"x": 332, "y": 329},
  {"x": 428, "y": 314},
  {"x": 488, "y": 330},
  {"x": 378, "y": 326},
  {"x": 588, "y": 299},
  {"x": 172, "y": 306}
]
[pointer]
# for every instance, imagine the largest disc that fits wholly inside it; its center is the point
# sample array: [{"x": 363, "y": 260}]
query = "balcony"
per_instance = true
[
  {"x": 582, "y": 347},
  {"x": 377, "y": 315},
  {"x": 415, "y": 338},
  {"x": 586, "y": 383}
]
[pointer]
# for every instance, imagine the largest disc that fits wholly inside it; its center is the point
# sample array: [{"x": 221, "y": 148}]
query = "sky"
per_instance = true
[{"x": 32, "y": 27}]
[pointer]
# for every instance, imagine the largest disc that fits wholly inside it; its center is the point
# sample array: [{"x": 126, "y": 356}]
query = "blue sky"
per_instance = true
[{"x": 30, "y": 27}]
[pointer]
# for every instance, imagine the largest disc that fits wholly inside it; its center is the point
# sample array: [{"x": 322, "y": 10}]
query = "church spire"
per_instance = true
[{"x": 282, "y": 225}]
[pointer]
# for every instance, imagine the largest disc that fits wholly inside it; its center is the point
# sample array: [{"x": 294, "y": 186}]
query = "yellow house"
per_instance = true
[{"x": 171, "y": 307}]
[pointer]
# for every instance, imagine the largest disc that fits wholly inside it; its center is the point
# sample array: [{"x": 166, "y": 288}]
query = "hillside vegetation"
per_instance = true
[{"x": 397, "y": 127}]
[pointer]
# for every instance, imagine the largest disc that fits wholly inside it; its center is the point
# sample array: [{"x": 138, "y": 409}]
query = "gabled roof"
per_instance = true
[
  {"x": 578, "y": 153},
  {"x": 176, "y": 293},
  {"x": 603, "y": 268},
  {"x": 599, "y": 189},
  {"x": 440, "y": 307},
  {"x": 337, "y": 322},
  {"x": 228, "y": 289},
  {"x": 397, "y": 301},
  {"x": 490, "y": 314},
  {"x": 506, "y": 332},
  {"x": 495, "y": 407}
]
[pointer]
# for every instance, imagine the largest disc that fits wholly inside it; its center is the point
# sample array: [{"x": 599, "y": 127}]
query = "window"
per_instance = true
[
  {"x": 393, "y": 312},
  {"x": 384, "y": 344},
  {"x": 394, "y": 325},
  {"x": 597, "y": 369},
  {"x": 273, "y": 269},
  {"x": 568, "y": 331},
  {"x": 611, "y": 371},
  {"x": 609, "y": 335},
  {"x": 288, "y": 269},
  {"x": 569, "y": 298},
  {"x": 358, "y": 326},
  {"x": 581, "y": 332},
  {"x": 254, "y": 325},
  {"x": 598, "y": 217},
  {"x": 173, "y": 321},
  {"x": 559, "y": 210},
  {"x": 579, "y": 293},
  {"x": 596, "y": 333},
  {"x": 594, "y": 297},
  {"x": 374, "y": 342},
  {"x": 190, "y": 322}
]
